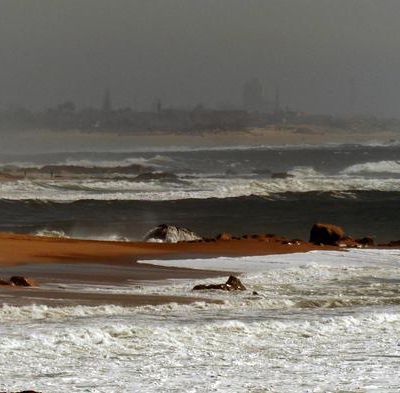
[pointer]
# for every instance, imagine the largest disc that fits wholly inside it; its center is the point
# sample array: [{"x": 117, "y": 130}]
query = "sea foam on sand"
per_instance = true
[{"x": 322, "y": 322}]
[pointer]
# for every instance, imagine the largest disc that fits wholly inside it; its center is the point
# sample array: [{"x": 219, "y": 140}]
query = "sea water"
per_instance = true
[
  {"x": 318, "y": 322},
  {"x": 207, "y": 190}
]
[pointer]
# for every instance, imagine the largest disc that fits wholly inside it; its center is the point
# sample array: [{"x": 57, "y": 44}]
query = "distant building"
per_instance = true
[
  {"x": 106, "y": 105},
  {"x": 277, "y": 103},
  {"x": 253, "y": 96}
]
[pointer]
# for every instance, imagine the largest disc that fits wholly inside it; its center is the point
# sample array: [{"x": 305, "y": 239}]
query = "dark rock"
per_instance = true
[
  {"x": 326, "y": 234},
  {"x": 235, "y": 283},
  {"x": 366, "y": 241},
  {"x": 5, "y": 282},
  {"x": 281, "y": 175},
  {"x": 202, "y": 287},
  {"x": 20, "y": 281},
  {"x": 348, "y": 241},
  {"x": 232, "y": 284}
]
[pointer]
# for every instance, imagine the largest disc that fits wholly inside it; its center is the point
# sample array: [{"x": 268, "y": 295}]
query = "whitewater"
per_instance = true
[
  {"x": 318, "y": 322},
  {"x": 200, "y": 174},
  {"x": 302, "y": 179}
]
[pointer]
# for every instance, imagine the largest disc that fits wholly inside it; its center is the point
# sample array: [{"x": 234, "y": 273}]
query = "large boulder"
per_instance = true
[
  {"x": 20, "y": 281},
  {"x": 170, "y": 234},
  {"x": 326, "y": 234},
  {"x": 232, "y": 284}
]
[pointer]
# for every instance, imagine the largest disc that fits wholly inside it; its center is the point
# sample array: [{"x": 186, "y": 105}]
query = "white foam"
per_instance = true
[
  {"x": 304, "y": 171},
  {"x": 51, "y": 233},
  {"x": 322, "y": 322},
  {"x": 374, "y": 167},
  {"x": 252, "y": 264},
  {"x": 201, "y": 188}
]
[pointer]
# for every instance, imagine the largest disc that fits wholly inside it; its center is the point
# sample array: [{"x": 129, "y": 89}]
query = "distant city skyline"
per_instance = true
[{"x": 325, "y": 56}]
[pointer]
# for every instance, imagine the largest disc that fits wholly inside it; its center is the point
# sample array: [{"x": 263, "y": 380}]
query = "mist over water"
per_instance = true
[{"x": 326, "y": 57}]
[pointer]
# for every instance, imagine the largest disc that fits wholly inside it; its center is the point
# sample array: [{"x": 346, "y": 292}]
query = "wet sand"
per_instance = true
[
  {"x": 21, "y": 249},
  {"x": 56, "y": 263},
  {"x": 50, "y": 297}
]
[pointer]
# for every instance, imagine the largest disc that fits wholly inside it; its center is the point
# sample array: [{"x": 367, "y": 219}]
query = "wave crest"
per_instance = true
[{"x": 374, "y": 167}]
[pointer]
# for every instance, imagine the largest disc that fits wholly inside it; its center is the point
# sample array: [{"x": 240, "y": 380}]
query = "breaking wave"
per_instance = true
[
  {"x": 374, "y": 167},
  {"x": 289, "y": 332},
  {"x": 50, "y": 233},
  {"x": 196, "y": 188}
]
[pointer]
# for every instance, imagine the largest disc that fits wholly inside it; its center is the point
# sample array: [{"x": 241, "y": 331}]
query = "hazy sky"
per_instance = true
[{"x": 325, "y": 55}]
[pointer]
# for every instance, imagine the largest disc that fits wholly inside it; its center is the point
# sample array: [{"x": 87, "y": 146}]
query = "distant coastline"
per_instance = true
[{"x": 72, "y": 140}]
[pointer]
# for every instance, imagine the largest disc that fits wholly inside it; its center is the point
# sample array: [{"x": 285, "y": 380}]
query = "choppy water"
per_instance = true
[
  {"x": 321, "y": 322},
  {"x": 210, "y": 173},
  {"x": 209, "y": 191}
]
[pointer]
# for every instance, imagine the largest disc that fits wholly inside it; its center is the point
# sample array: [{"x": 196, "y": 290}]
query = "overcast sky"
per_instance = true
[{"x": 325, "y": 55}]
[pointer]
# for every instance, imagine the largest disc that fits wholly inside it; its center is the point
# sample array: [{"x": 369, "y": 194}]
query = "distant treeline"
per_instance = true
[{"x": 66, "y": 117}]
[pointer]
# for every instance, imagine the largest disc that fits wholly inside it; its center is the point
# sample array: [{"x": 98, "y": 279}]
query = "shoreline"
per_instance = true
[
  {"x": 20, "y": 249},
  {"x": 274, "y": 135},
  {"x": 56, "y": 263},
  {"x": 63, "y": 266}
]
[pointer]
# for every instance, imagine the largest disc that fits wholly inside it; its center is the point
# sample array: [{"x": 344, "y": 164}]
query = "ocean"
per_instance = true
[
  {"x": 317, "y": 322},
  {"x": 320, "y": 322},
  {"x": 282, "y": 190}
]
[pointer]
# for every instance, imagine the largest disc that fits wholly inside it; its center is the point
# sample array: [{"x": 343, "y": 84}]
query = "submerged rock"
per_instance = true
[
  {"x": 5, "y": 282},
  {"x": 326, "y": 234},
  {"x": 20, "y": 281},
  {"x": 170, "y": 234},
  {"x": 232, "y": 284},
  {"x": 281, "y": 175}
]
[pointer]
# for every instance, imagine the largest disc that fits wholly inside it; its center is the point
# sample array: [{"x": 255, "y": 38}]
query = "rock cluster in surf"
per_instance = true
[{"x": 232, "y": 284}]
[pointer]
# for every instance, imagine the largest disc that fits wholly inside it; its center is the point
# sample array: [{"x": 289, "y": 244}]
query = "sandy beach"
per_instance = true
[{"x": 55, "y": 262}]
